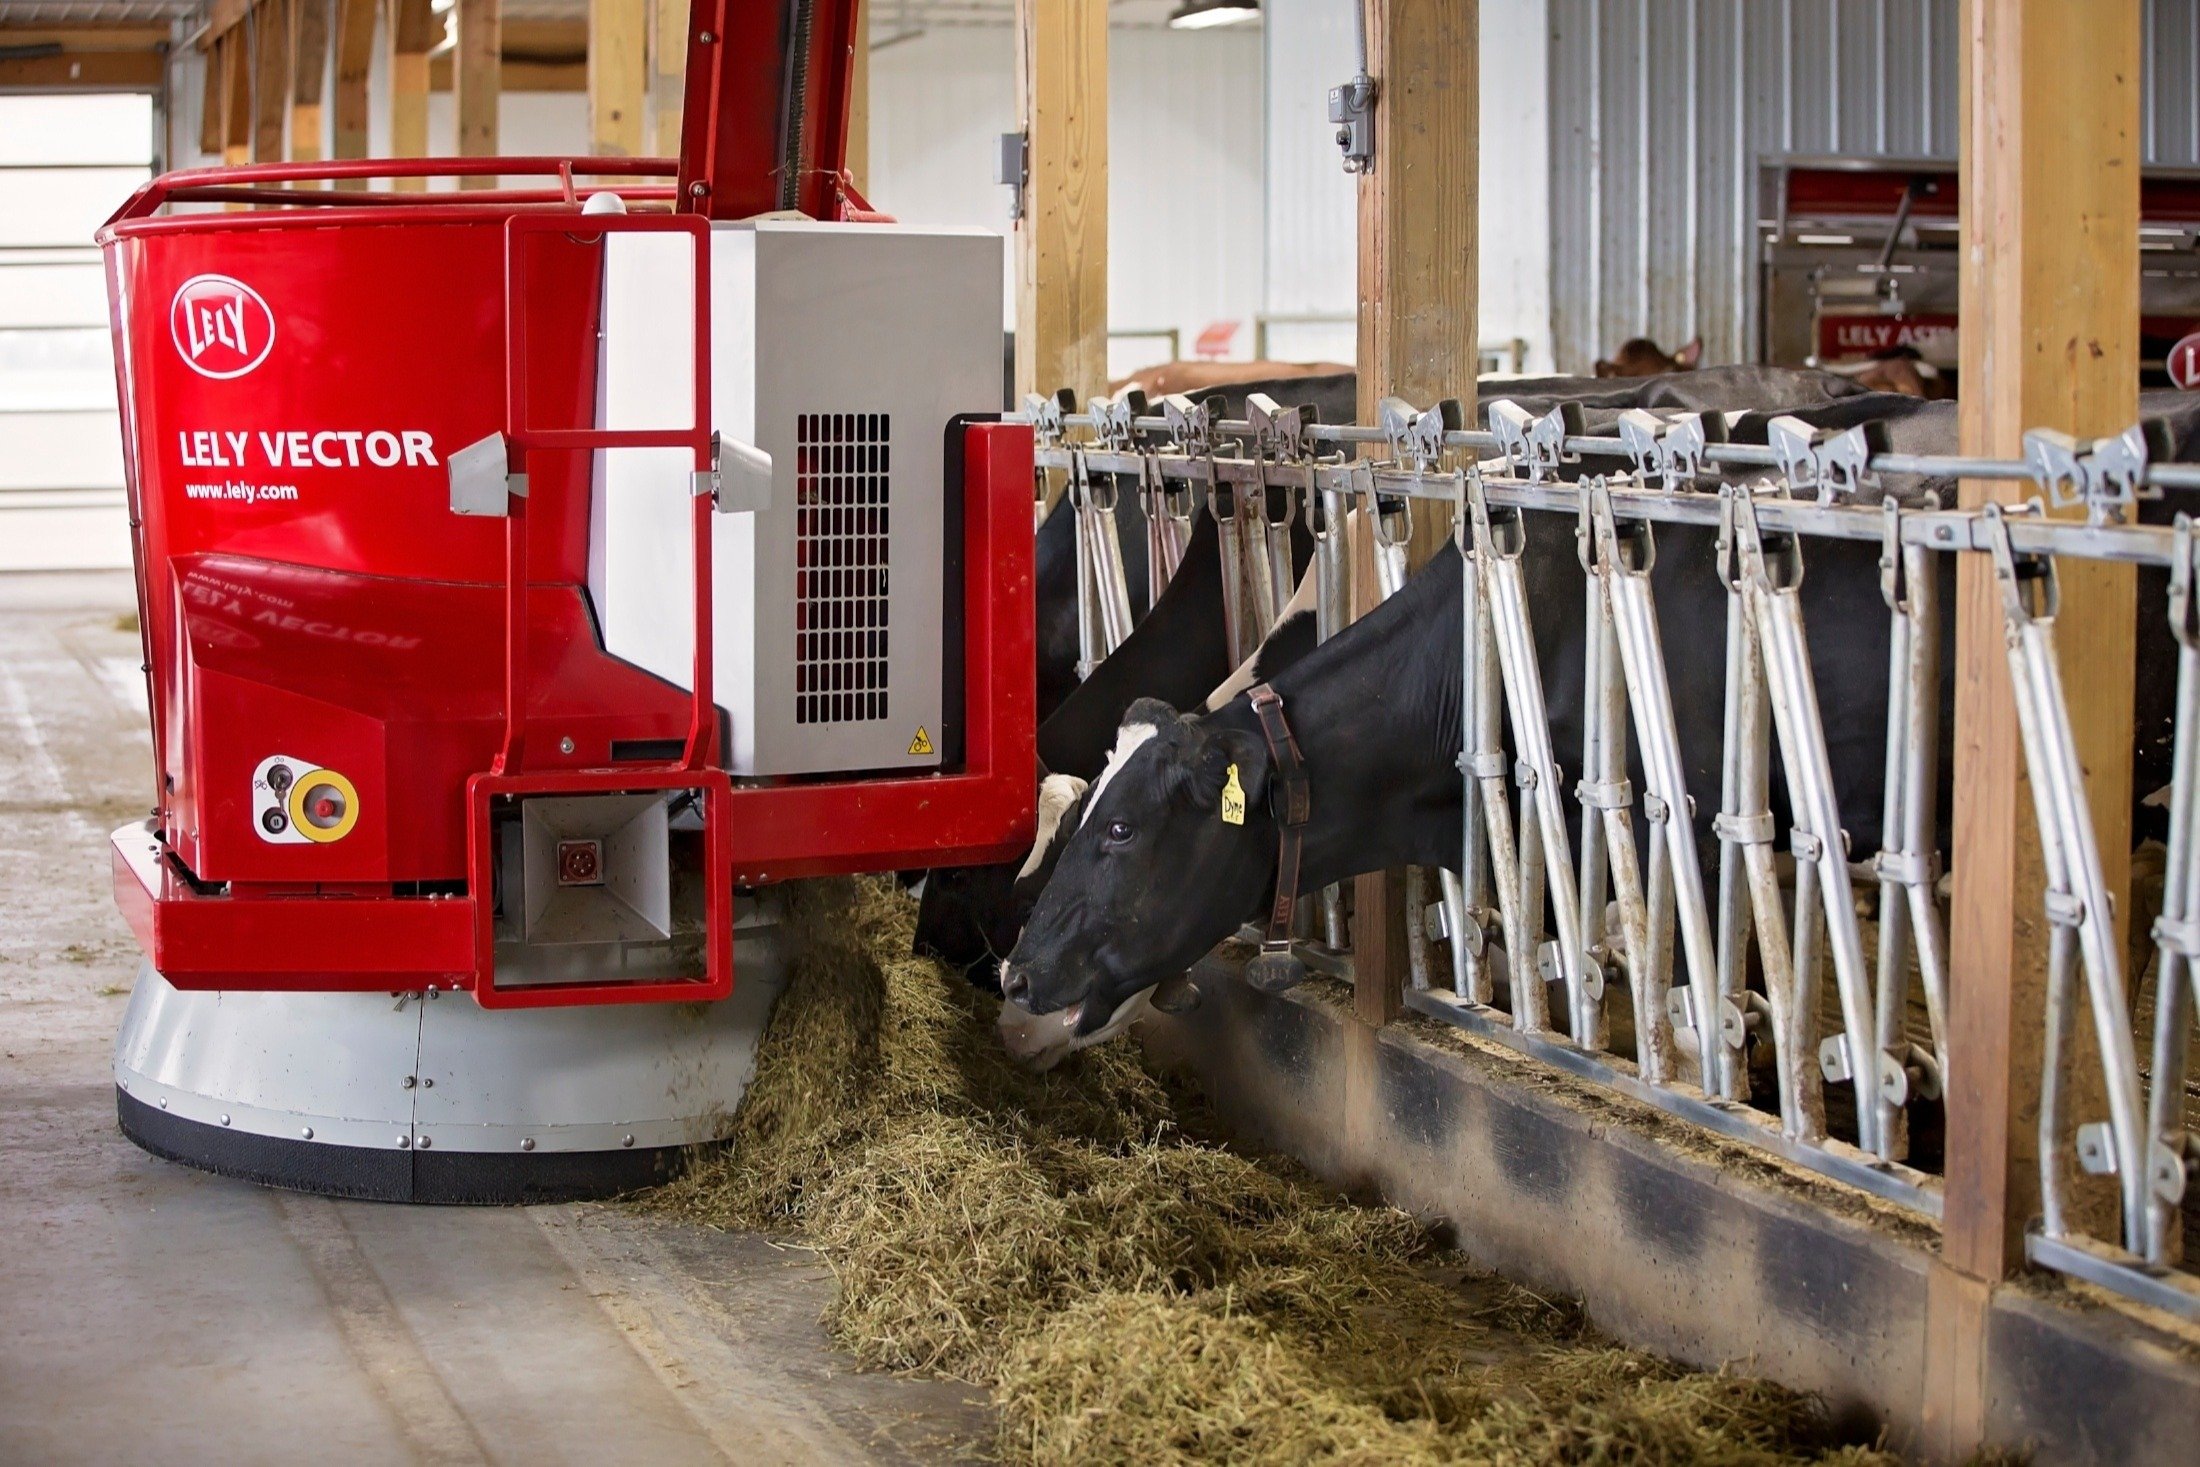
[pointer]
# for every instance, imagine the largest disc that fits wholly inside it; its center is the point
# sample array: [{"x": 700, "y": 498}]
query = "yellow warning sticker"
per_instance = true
[
  {"x": 922, "y": 743},
  {"x": 1233, "y": 799}
]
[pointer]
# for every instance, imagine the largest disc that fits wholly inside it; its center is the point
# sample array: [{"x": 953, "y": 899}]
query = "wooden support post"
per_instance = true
[
  {"x": 354, "y": 61},
  {"x": 1417, "y": 313},
  {"x": 212, "y": 132},
  {"x": 618, "y": 75},
  {"x": 309, "y": 56},
  {"x": 668, "y": 39},
  {"x": 1062, "y": 239},
  {"x": 414, "y": 30},
  {"x": 859, "y": 103},
  {"x": 477, "y": 79},
  {"x": 270, "y": 78},
  {"x": 237, "y": 98},
  {"x": 2050, "y": 309}
]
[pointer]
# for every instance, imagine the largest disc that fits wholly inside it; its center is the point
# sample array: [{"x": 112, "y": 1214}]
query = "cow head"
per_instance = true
[
  {"x": 968, "y": 916},
  {"x": 1155, "y": 873},
  {"x": 1642, "y": 357}
]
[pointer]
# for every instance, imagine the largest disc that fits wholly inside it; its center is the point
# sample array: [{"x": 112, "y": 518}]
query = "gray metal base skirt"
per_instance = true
[
  {"x": 467, "y": 1178},
  {"x": 432, "y": 1098}
]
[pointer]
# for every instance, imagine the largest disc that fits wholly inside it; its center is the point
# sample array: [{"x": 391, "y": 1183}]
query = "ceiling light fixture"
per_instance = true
[{"x": 1200, "y": 15}]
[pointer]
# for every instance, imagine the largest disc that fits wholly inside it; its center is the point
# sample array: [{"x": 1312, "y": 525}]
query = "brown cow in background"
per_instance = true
[
  {"x": 1897, "y": 369},
  {"x": 1643, "y": 357},
  {"x": 1195, "y": 376}
]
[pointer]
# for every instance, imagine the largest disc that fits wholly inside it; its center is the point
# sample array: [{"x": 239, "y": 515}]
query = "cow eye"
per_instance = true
[{"x": 1119, "y": 832}]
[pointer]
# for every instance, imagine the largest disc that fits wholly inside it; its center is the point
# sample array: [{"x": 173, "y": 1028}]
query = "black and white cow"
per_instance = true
[
  {"x": 1152, "y": 876},
  {"x": 969, "y": 915}
]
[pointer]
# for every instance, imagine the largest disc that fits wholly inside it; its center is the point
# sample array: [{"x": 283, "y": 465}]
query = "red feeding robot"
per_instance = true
[{"x": 529, "y": 576}]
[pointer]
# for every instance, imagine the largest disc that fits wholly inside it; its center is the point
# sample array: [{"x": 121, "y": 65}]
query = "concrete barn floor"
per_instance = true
[{"x": 151, "y": 1313}]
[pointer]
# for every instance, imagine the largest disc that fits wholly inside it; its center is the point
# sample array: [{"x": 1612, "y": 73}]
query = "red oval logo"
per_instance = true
[
  {"x": 221, "y": 327},
  {"x": 2184, "y": 363}
]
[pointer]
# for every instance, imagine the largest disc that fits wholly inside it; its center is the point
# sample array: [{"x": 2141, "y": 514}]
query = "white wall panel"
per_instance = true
[
  {"x": 1311, "y": 216},
  {"x": 1312, "y": 219},
  {"x": 59, "y": 450},
  {"x": 61, "y": 500},
  {"x": 1184, "y": 165}
]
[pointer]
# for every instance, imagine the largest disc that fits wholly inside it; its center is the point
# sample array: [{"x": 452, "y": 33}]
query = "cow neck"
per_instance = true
[{"x": 1376, "y": 712}]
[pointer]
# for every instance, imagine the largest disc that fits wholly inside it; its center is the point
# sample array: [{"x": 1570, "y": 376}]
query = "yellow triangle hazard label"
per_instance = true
[{"x": 922, "y": 743}]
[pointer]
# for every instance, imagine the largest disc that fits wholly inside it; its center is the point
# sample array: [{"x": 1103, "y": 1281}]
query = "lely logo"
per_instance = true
[{"x": 220, "y": 326}]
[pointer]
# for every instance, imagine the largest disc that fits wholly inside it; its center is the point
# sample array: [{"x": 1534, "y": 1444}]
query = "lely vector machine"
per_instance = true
[{"x": 529, "y": 576}]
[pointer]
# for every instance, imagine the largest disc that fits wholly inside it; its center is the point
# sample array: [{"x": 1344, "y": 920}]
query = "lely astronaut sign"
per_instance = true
[{"x": 223, "y": 329}]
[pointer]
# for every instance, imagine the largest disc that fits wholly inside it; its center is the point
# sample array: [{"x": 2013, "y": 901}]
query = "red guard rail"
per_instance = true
[
  {"x": 257, "y": 183},
  {"x": 696, "y": 768}
]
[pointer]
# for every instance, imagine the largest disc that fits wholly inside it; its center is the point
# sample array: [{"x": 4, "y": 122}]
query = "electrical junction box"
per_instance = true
[{"x": 842, "y": 351}]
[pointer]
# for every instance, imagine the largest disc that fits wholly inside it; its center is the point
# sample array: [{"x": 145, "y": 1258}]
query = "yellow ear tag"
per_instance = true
[{"x": 1233, "y": 799}]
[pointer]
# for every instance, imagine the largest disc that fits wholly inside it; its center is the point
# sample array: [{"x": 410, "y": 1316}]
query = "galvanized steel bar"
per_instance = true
[
  {"x": 1626, "y": 566},
  {"x": 1822, "y": 885},
  {"x": 1538, "y": 772},
  {"x": 2083, "y": 929},
  {"x": 1725, "y": 455},
  {"x": 1749, "y": 883},
  {"x": 1907, "y": 864},
  {"x": 1332, "y": 610},
  {"x": 1486, "y": 767},
  {"x": 2177, "y": 933}
]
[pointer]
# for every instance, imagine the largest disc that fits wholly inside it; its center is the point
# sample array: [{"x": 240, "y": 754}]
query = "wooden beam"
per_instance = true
[
  {"x": 618, "y": 76},
  {"x": 516, "y": 75},
  {"x": 478, "y": 79},
  {"x": 668, "y": 38},
  {"x": 2050, "y": 309},
  {"x": 1418, "y": 259},
  {"x": 1417, "y": 283},
  {"x": 223, "y": 16},
  {"x": 2050, "y": 304},
  {"x": 1062, "y": 239},
  {"x": 85, "y": 37},
  {"x": 93, "y": 70},
  {"x": 414, "y": 30},
  {"x": 215, "y": 97},
  {"x": 859, "y": 104},
  {"x": 237, "y": 98},
  {"x": 270, "y": 78},
  {"x": 309, "y": 59},
  {"x": 354, "y": 64}
]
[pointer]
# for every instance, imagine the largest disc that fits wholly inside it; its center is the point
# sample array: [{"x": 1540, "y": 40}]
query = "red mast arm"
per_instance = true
[{"x": 764, "y": 124}]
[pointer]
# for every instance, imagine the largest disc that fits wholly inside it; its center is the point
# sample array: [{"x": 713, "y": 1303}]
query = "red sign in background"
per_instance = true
[
  {"x": 1849, "y": 338},
  {"x": 2184, "y": 363}
]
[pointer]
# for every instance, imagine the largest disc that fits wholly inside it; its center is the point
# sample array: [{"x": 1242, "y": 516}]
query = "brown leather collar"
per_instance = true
[{"x": 1290, "y": 800}]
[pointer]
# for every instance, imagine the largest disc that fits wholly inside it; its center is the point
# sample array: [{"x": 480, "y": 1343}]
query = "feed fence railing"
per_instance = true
[{"x": 1724, "y": 970}]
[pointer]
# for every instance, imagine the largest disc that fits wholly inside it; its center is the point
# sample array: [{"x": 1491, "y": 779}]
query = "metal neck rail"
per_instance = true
[
  {"x": 1693, "y": 1014},
  {"x": 2107, "y": 476}
]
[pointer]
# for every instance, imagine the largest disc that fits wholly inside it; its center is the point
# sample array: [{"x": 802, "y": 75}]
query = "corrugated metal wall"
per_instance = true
[
  {"x": 1661, "y": 111},
  {"x": 2172, "y": 115}
]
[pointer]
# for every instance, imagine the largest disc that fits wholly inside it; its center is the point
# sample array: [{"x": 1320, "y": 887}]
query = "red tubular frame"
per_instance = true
[
  {"x": 733, "y": 149},
  {"x": 242, "y": 184},
  {"x": 697, "y": 767}
]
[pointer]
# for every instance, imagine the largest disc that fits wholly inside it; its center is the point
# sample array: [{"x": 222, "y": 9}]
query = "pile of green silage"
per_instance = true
[{"x": 1133, "y": 1291}]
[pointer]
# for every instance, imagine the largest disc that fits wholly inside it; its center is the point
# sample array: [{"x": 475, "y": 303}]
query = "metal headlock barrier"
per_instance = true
[{"x": 1529, "y": 909}]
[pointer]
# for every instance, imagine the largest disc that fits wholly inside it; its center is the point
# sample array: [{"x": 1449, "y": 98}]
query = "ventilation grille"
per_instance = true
[{"x": 840, "y": 567}]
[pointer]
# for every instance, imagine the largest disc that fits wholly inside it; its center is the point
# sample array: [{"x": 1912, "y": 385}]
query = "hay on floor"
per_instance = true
[{"x": 1132, "y": 1289}]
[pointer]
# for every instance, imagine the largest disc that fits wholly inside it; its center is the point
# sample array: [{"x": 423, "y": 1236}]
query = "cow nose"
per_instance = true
[{"x": 1014, "y": 984}]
